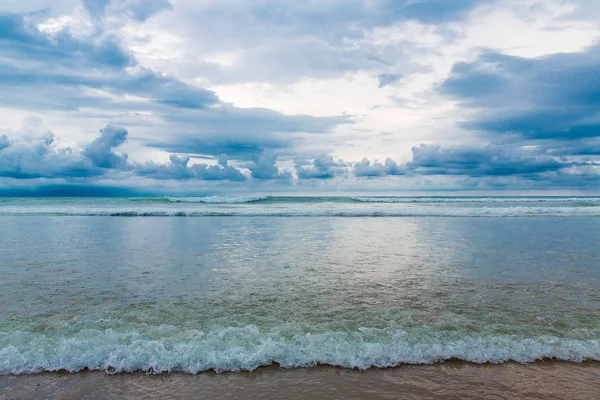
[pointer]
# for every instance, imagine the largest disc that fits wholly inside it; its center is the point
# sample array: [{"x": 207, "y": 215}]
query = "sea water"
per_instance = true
[{"x": 234, "y": 283}]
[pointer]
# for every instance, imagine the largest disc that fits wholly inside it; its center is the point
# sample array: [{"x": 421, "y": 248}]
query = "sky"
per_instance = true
[{"x": 107, "y": 97}]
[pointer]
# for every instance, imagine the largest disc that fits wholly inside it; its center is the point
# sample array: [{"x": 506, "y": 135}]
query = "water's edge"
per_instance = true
[{"x": 450, "y": 380}]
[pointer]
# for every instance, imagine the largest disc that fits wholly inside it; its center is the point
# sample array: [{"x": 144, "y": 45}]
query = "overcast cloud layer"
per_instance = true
[{"x": 107, "y": 97}]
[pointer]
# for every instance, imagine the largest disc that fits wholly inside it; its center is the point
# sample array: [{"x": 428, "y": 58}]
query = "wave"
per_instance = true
[
  {"x": 312, "y": 212},
  {"x": 367, "y": 199},
  {"x": 247, "y": 348},
  {"x": 396, "y": 199},
  {"x": 578, "y": 201},
  {"x": 260, "y": 199},
  {"x": 218, "y": 199}
]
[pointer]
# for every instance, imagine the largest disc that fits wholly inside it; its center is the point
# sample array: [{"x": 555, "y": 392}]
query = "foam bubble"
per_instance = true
[{"x": 247, "y": 348}]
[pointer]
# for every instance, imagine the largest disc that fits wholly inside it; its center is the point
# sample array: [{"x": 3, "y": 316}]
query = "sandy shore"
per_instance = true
[{"x": 542, "y": 380}]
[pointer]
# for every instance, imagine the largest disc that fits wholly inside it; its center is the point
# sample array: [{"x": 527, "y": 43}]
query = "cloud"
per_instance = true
[
  {"x": 67, "y": 63},
  {"x": 41, "y": 158},
  {"x": 139, "y": 10},
  {"x": 65, "y": 88},
  {"x": 178, "y": 169},
  {"x": 365, "y": 168},
  {"x": 322, "y": 167},
  {"x": 488, "y": 163},
  {"x": 241, "y": 133},
  {"x": 530, "y": 121},
  {"x": 436, "y": 11},
  {"x": 480, "y": 161},
  {"x": 223, "y": 171},
  {"x": 584, "y": 147},
  {"x": 275, "y": 41},
  {"x": 95, "y": 7},
  {"x": 100, "y": 151},
  {"x": 498, "y": 166},
  {"x": 264, "y": 167},
  {"x": 330, "y": 20},
  {"x": 552, "y": 97},
  {"x": 21, "y": 40},
  {"x": 96, "y": 76},
  {"x": 387, "y": 79}
]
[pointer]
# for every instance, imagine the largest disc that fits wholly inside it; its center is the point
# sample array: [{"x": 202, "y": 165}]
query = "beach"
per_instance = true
[
  {"x": 451, "y": 380},
  {"x": 364, "y": 297},
  {"x": 333, "y": 199}
]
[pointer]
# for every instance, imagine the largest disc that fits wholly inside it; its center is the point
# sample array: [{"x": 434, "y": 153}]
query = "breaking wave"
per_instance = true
[
  {"x": 247, "y": 348},
  {"x": 396, "y": 199},
  {"x": 218, "y": 199},
  {"x": 312, "y": 212}
]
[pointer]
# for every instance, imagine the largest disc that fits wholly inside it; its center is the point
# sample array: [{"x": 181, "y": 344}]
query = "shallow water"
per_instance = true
[
  {"x": 194, "y": 294},
  {"x": 454, "y": 380}
]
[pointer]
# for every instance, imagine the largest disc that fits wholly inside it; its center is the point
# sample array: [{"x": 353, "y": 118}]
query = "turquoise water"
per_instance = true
[
  {"x": 334, "y": 206},
  {"x": 506, "y": 279}
]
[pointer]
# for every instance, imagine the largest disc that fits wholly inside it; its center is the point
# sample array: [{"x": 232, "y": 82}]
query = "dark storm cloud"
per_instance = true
[
  {"x": 487, "y": 163},
  {"x": 553, "y": 97},
  {"x": 431, "y": 159},
  {"x": 100, "y": 151}
]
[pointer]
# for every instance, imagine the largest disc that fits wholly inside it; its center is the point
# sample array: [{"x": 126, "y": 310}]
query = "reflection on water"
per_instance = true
[{"x": 356, "y": 281}]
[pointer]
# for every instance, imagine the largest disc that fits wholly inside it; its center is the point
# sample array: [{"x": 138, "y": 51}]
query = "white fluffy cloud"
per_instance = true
[{"x": 238, "y": 93}]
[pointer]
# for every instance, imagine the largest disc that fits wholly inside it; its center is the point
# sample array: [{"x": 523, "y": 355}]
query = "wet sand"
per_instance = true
[{"x": 451, "y": 380}]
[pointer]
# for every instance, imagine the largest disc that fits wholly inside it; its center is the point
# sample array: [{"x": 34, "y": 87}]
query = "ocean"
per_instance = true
[{"x": 236, "y": 283}]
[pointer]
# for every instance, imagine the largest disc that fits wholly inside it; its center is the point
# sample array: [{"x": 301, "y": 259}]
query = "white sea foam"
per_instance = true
[
  {"x": 399, "y": 199},
  {"x": 247, "y": 348},
  {"x": 415, "y": 211},
  {"x": 217, "y": 199},
  {"x": 309, "y": 206}
]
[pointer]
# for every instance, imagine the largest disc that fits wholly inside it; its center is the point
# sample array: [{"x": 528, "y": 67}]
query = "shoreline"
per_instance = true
[{"x": 451, "y": 379}]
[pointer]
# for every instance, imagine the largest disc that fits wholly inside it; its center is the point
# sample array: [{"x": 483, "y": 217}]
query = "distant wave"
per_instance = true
[
  {"x": 519, "y": 211},
  {"x": 247, "y": 348},
  {"x": 580, "y": 201},
  {"x": 583, "y": 201},
  {"x": 398, "y": 199},
  {"x": 218, "y": 199}
]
